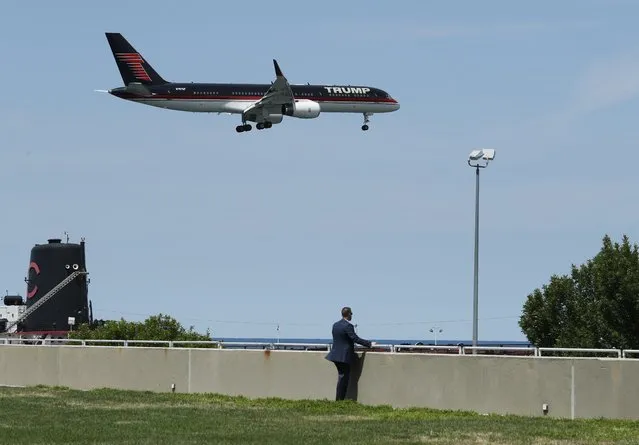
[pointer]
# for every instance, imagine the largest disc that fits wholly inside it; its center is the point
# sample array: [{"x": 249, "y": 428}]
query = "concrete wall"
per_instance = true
[{"x": 572, "y": 387}]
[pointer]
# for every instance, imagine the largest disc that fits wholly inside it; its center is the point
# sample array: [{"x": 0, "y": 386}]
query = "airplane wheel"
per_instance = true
[
  {"x": 239, "y": 128},
  {"x": 247, "y": 127},
  {"x": 364, "y": 127},
  {"x": 268, "y": 124},
  {"x": 259, "y": 126}
]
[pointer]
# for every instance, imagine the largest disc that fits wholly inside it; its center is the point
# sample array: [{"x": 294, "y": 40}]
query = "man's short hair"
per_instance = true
[{"x": 346, "y": 311}]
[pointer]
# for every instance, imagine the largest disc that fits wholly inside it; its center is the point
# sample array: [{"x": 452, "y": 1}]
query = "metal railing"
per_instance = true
[{"x": 501, "y": 351}]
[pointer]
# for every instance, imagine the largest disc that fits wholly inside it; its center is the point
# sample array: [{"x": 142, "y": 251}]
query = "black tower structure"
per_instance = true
[{"x": 48, "y": 266}]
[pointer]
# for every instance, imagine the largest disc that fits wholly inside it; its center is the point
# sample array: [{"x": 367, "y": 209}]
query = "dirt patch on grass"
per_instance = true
[
  {"x": 129, "y": 422},
  {"x": 478, "y": 439},
  {"x": 28, "y": 394},
  {"x": 336, "y": 418},
  {"x": 114, "y": 406}
]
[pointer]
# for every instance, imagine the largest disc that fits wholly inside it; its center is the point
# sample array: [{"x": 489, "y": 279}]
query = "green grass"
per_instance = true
[{"x": 41, "y": 415}]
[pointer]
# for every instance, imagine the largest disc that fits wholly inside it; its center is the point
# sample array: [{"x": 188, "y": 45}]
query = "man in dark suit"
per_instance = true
[{"x": 343, "y": 351}]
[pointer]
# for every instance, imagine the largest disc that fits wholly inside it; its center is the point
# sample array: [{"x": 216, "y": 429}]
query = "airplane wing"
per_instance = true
[{"x": 279, "y": 93}]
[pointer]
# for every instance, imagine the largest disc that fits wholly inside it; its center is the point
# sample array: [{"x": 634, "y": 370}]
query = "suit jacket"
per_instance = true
[{"x": 344, "y": 339}]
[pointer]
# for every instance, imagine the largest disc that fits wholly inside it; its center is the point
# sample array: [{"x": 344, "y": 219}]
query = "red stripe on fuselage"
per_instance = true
[{"x": 247, "y": 97}]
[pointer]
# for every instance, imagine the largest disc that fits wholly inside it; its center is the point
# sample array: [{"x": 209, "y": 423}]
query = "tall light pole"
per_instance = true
[
  {"x": 436, "y": 330},
  {"x": 477, "y": 159}
]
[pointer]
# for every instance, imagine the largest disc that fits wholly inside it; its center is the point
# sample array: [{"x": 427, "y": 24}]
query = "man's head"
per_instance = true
[{"x": 347, "y": 313}]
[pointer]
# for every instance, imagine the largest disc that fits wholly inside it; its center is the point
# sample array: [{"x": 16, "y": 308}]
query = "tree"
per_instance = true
[
  {"x": 596, "y": 306},
  {"x": 156, "y": 327}
]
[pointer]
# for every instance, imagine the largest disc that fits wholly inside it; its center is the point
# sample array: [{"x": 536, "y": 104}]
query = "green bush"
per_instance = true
[{"x": 157, "y": 327}]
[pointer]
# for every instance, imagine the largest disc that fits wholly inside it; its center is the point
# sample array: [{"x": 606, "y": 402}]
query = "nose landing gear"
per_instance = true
[{"x": 366, "y": 120}]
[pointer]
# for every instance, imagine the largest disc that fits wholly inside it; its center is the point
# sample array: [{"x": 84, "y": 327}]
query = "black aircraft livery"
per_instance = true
[{"x": 264, "y": 104}]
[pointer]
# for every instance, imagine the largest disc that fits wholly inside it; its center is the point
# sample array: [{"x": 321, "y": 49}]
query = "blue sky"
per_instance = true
[{"x": 239, "y": 232}]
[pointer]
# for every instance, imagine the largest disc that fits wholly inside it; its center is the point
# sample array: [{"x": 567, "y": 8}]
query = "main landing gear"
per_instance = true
[
  {"x": 366, "y": 121},
  {"x": 248, "y": 127}
]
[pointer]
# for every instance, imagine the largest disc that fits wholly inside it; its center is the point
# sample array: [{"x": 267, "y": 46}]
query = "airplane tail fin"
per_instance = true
[{"x": 132, "y": 66}]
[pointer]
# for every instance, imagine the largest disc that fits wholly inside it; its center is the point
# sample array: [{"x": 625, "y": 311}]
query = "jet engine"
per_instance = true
[{"x": 302, "y": 108}]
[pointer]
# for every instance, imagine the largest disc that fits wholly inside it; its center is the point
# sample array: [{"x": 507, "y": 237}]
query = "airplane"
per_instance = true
[{"x": 264, "y": 104}]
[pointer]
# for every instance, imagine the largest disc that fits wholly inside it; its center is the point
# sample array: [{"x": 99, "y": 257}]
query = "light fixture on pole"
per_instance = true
[
  {"x": 478, "y": 159},
  {"x": 436, "y": 330},
  {"x": 71, "y": 322}
]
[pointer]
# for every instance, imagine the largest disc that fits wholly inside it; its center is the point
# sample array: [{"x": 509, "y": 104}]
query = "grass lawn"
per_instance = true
[{"x": 41, "y": 415}]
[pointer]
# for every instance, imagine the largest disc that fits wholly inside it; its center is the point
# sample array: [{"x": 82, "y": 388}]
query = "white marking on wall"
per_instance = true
[{"x": 572, "y": 391}]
